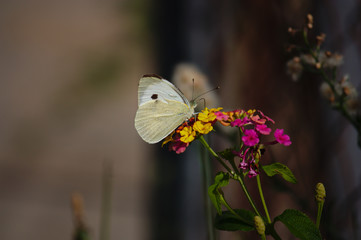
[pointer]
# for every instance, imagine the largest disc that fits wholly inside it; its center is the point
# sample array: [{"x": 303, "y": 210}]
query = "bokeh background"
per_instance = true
[{"x": 69, "y": 72}]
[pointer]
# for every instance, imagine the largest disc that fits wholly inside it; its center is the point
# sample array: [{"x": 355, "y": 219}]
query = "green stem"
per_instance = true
[
  {"x": 205, "y": 144},
  {"x": 273, "y": 232},
  {"x": 206, "y": 172},
  {"x": 319, "y": 214},
  {"x": 341, "y": 108},
  {"x": 240, "y": 180},
  {"x": 262, "y": 198},
  {"x": 305, "y": 38},
  {"x": 244, "y": 188}
]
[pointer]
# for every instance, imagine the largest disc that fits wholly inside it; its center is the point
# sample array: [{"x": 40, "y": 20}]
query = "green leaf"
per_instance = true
[
  {"x": 299, "y": 224},
  {"x": 281, "y": 169},
  {"x": 227, "y": 221},
  {"x": 214, "y": 191}
]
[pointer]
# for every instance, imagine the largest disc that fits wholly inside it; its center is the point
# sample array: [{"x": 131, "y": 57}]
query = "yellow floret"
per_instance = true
[
  {"x": 187, "y": 134},
  {"x": 251, "y": 111},
  {"x": 168, "y": 139},
  {"x": 202, "y": 128},
  {"x": 206, "y": 115}
]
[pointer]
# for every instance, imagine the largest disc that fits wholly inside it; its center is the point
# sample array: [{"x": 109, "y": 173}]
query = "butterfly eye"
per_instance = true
[{"x": 154, "y": 96}]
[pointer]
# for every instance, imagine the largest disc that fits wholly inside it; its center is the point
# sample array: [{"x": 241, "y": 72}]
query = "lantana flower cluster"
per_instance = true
[
  {"x": 253, "y": 124},
  {"x": 199, "y": 125}
]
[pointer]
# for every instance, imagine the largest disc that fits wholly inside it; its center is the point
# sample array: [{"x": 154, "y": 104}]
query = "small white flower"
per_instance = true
[
  {"x": 294, "y": 68},
  {"x": 308, "y": 59}
]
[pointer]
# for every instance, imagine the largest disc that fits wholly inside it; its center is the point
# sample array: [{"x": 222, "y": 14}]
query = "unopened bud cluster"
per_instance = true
[
  {"x": 320, "y": 192},
  {"x": 259, "y": 224}
]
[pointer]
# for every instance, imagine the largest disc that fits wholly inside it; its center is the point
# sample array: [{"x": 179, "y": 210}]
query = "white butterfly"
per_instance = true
[{"x": 162, "y": 107}]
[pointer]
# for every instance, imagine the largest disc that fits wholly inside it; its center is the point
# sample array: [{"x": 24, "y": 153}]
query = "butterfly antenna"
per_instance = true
[
  {"x": 216, "y": 88},
  {"x": 193, "y": 89}
]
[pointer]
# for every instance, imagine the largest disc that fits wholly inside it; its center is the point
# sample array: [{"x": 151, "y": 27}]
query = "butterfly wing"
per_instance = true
[
  {"x": 161, "y": 108},
  {"x": 156, "y": 119},
  {"x": 153, "y": 87}
]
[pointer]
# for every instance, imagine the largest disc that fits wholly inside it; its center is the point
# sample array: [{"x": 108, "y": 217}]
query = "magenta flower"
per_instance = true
[
  {"x": 239, "y": 122},
  {"x": 252, "y": 173},
  {"x": 250, "y": 137},
  {"x": 263, "y": 129},
  {"x": 282, "y": 138},
  {"x": 178, "y": 147},
  {"x": 243, "y": 164},
  {"x": 221, "y": 116}
]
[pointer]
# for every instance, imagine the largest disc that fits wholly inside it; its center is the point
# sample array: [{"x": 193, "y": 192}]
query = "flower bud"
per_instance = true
[
  {"x": 292, "y": 31},
  {"x": 259, "y": 224},
  {"x": 328, "y": 53},
  {"x": 320, "y": 192},
  {"x": 309, "y": 21}
]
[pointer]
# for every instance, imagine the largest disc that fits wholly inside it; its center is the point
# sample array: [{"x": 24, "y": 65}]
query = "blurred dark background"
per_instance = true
[{"x": 69, "y": 73}]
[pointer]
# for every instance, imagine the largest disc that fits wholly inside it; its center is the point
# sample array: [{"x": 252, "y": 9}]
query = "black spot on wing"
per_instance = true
[{"x": 154, "y": 96}]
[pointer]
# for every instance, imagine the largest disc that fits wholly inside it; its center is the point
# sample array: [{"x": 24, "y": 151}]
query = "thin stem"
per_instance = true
[
  {"x": 273, "y": 232},
  {"x": 206, "y": 174},
  {"x": 319, "y": 214},
  {"x": 244, "y": 188},
  {"x": 240, "y": 180},
  {"x": 262, "y": 198},
  {"x": 205, "y": 144},
  {"x": 340, "y": 107},
  {"x": 305, "y": 38}
]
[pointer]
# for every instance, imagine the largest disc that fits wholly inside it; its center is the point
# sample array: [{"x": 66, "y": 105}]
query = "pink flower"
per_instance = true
[
  {"x": 252, "y": 173},
  {"x": 243, "y": 164},
  {"x": 239, "y": 122},
  {"x": 268, "y": 118},
  {"x": 282, "y": 138},
  {"x": 178, "y": 146},
  {"x": 257, "y": 119},
  {"x": 263, "y": 129},
  {"x": 250, "y": 137},
  {"x": 221, "y": 116}
]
